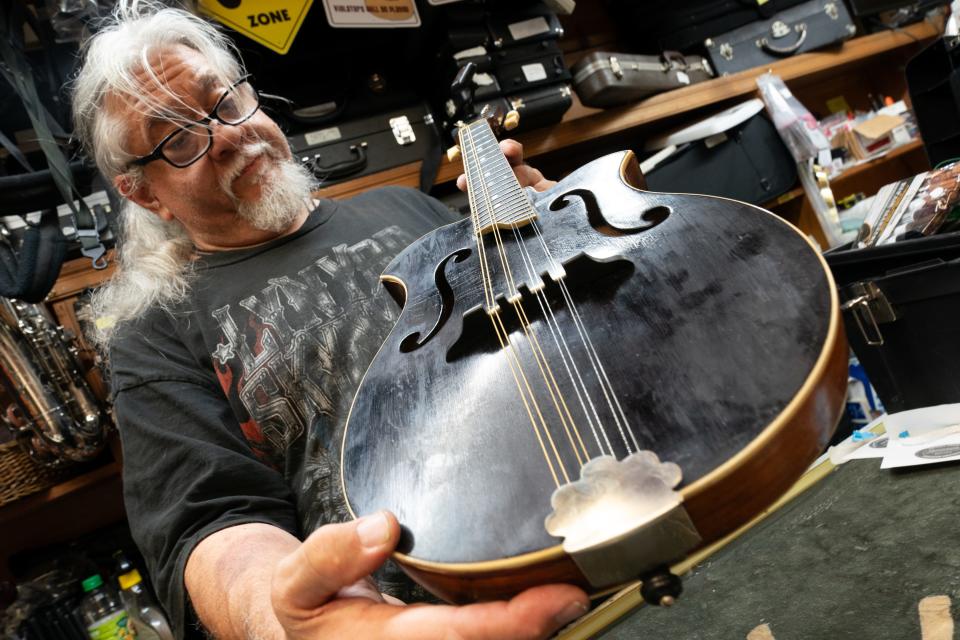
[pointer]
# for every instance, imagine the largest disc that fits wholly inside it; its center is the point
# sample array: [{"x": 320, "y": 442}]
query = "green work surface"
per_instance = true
[{"x": 849, "y": 558}]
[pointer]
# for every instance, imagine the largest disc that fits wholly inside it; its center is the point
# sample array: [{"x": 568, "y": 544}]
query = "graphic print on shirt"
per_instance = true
[{"x": 297, "y": 350}]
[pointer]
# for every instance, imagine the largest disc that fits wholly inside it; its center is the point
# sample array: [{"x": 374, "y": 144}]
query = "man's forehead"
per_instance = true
[
  {"x": 171, "y": 74},
  {"x": 175, "y": 80}
]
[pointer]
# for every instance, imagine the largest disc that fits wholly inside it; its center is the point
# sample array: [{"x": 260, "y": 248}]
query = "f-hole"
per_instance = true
[
  {"x": 413, "y": 342},
  {"x": 652, "y": 216}
]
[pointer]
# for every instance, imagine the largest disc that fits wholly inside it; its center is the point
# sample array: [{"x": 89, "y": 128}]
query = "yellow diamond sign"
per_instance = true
[{"x": 272, "y": 23}]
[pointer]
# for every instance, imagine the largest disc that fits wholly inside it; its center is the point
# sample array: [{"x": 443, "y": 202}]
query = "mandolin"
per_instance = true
[{"x": 587, "y": 383}]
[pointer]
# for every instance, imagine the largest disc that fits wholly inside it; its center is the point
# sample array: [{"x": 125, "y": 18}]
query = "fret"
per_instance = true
[{"x": 496, "y": 197}]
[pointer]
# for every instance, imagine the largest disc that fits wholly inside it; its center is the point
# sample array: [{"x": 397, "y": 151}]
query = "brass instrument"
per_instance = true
[{"x": 53, "y": 414}]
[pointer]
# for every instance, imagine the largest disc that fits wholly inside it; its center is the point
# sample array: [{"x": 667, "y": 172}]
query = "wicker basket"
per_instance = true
[{"x": 20, "y": 476}]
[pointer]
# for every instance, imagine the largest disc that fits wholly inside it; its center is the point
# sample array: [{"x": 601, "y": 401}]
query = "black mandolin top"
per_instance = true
[{"x": 706, "y": 317}]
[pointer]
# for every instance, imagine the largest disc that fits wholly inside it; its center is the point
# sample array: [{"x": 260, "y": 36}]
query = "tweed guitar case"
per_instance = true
[
  {"x": 604, "y": 79},
  {"x": 811, "y": 25}
]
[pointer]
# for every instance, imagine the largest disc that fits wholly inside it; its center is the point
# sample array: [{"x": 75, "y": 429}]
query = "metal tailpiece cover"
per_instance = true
[{"x": 622, "y": 518}]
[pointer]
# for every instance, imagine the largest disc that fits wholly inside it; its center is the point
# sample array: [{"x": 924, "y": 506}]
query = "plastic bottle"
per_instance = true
[
  {"x": 146, "y": 615},
  {"x": 103, "y": 615}
]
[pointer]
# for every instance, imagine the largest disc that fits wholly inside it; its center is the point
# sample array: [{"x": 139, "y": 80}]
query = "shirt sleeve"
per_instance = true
[{"x": 187, "y": 469}]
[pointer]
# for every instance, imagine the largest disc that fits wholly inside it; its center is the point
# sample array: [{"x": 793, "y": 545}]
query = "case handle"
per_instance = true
[
  {"x": 673, "y": 57},
  {"x": 345, "y": 168},
  {"x": 779, "y": 29}
]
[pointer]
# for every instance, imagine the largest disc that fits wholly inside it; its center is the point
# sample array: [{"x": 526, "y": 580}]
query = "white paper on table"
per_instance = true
[
  {"x": 919, "y": 421},
  {"x": 915, "y": 421},
  {"x": 906, "y": 452}
]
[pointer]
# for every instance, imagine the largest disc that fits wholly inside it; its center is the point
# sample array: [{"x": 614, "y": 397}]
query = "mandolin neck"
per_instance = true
[{"x": 496, "y": 198}]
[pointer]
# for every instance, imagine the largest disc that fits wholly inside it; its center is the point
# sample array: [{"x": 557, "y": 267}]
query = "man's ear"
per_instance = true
[{"x": 141, "y": 195}]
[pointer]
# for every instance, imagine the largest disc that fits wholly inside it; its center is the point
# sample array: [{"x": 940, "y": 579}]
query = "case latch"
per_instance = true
[
  {"x": 870, "y": 308},
  {"x": 402, "y": 131},
  {"x": 616, "y": 68},
  {"x": 779, "y": 29}
]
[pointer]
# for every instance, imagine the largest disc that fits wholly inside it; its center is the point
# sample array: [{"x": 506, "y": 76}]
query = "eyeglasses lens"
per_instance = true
[{"x": 194, "y": 140}]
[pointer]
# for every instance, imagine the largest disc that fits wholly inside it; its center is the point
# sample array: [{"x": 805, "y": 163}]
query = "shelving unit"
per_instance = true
[
  {"x": 585, "y": 126},
  {"x": 862, "y": 65},
  {"x": 866, "y": 178},
  {"x": 91, "y": 499}
]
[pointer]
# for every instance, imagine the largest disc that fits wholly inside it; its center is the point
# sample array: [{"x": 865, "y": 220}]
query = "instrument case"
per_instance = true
[
  {"x": 605, "y": 79},
  {"x": 899, "y": 306},
  {"x": 353, "y": 148},
  {"x": 682, "y": 25},
  {"x": 528, "y": 66},
  {"x": 518, "y": 25},
  {"x": 477, "y": 55},
  {"x": 735, "y": 154},
  {"x": 812, "y": 25},
  {"x": 933, "y": 76},
  {"x": 537, "y": 108}
]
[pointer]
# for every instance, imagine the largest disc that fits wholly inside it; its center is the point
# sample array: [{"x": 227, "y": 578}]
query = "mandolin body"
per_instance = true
[{"x": 716, "y": 323}]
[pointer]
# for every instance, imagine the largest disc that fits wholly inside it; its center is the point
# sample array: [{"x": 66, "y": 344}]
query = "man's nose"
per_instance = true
[{"x": 226, "y": 139}]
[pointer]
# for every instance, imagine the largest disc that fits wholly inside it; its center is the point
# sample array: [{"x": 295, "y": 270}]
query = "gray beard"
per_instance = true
[{"x": 284, "y": 197}]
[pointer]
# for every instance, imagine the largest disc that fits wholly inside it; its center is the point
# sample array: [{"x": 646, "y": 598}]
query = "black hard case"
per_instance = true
[
  {"x": 751, "y": 165},
  {"x": 900, "y": 303},
  {"x": 605, "y": 79},
  {"x": 353, "y": 148},
  {"x": 933, "y": 79},
  {"x": 525, "y": 67},
  {"x": 537, "y": 107},
  {"x": 522, "y": 25},
  {"x": 683, "y": 25},
  {"x": 811, "y": 25}
]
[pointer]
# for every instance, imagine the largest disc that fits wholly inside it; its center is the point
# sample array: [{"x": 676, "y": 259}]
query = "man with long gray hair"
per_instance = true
[{"x": 240, "y": 322}]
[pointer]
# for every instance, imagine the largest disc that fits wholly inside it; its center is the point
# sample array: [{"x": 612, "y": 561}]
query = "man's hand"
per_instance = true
[
  {"x": 320, "y": 591},
  {"x": 527, "y": 176}
]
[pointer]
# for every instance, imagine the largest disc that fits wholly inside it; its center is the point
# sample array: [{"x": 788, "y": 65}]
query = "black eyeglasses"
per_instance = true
[{"x": 189, "y": 143}]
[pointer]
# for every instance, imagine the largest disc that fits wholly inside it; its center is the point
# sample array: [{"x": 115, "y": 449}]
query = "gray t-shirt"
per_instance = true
[{"x": 231, "y": 406}]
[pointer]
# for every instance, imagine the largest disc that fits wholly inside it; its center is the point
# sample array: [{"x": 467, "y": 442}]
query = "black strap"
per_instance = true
[
  {"x": 29, "y": 273},
  {"x": 18, "y": 73},
  {"x": 14, "y": 151}
]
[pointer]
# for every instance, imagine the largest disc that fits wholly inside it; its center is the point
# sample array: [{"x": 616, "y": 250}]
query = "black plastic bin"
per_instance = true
[{"x": 901, "y": 309}]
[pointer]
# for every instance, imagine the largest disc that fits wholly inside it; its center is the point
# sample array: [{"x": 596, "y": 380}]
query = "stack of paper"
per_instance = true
[{"x": 920, "y": 436}]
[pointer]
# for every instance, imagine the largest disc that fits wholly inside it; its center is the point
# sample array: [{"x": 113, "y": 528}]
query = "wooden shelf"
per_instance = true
[
  {"x": 867, "y": 178},
  {"x": 104, "y": 475},
  {"x": 61, "y": 513},
  {"x": 582, "y": 124},
  {"x": 77, "y": 275},
  {"x": 838, "y": 181}
]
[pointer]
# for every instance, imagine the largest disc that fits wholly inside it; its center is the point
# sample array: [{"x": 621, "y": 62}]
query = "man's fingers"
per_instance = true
[
  {"x": 333, "y": 557},
  {"x": 534, "y": 614},
  {"x": 513, "y": 150},
  {"x": 527, "y": 176}
]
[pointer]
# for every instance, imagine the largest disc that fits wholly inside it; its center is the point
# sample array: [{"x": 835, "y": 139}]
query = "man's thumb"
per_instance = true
[{"x": 334, "y": 556}]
